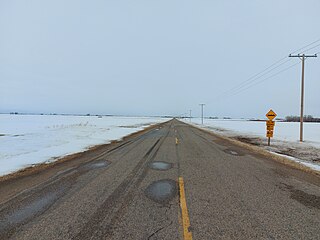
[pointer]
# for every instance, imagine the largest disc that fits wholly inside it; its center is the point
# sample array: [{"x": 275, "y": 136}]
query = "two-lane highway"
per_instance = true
[{"x": 173, "y": 181}]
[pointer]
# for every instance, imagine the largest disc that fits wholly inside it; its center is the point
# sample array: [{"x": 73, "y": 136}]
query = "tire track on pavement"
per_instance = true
[{"x": 101, "y": 224}]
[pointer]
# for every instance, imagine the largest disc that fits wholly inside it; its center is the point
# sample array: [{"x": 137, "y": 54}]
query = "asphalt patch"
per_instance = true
[
  {"x": 308, "y": 200},
  {"x": 162, "y": 191},
  {"x": 97, "y": 165},
  {"x": 162, "y": 166},
  {"x": 28, "y": 211}
]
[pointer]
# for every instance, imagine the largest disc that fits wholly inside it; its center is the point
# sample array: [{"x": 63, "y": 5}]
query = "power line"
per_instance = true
[
  {"x": 266, "y": 71},
  {"x": 312, "y": 48},
  {"x": 251, "y": 80},
  {"x": 256, "y": 83},
  {"x": 256, "y": 75},
  {"x": 287, "y": 56},
  {"x": 306, "y": 46}
]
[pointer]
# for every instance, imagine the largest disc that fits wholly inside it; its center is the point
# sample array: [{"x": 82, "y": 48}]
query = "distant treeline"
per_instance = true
[{"x": 306, "y": 118}]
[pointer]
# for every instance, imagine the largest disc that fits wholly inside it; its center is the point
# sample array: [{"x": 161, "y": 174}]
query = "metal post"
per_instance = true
[
  {"x": 268, "y": 141},
  {"x": 190, "y": 115}
]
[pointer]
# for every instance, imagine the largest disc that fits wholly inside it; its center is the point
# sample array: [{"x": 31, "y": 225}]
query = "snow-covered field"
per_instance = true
[
  {"x": 285, "y": 141},
  {"x": 26, "y": 140},
  {"x": 285, "y": 131}
]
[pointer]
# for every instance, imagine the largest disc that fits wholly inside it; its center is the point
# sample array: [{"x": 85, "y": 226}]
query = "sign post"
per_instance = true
[{"x": 270, "y": 124}]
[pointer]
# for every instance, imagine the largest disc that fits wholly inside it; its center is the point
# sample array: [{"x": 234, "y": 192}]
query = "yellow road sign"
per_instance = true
[
  {"x": 271, "y": 115},
  {"x": 270, "y": 134},
  {"x": 270, "y": 123},
  {"x": 270, "y": 128}
]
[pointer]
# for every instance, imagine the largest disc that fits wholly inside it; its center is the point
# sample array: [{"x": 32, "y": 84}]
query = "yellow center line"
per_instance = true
[{"x": 187, "y": 235}]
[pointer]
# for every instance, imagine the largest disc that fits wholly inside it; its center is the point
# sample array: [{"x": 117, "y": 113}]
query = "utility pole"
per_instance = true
[
  {"x": 302, "y": 58},
  {"x": 190, "y": 115},
  {"x": 202, "y": 104}
]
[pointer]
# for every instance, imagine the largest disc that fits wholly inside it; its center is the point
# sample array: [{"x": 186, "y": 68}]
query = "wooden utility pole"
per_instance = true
[{"x": 302, "y": 58}]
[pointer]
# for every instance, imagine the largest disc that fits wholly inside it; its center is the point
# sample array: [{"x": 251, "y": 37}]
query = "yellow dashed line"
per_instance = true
[{"x": 187, "y": 235}]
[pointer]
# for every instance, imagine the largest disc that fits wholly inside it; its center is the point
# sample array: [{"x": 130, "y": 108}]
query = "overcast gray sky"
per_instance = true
[{"x": 156, "y": 57}]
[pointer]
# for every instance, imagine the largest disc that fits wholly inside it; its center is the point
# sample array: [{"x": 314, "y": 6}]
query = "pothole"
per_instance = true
[
  {"x": 97, "y": 164},
  {"x": 162, "y": 166},
  {"x": 162, "y": 191},
  {"x": 233, "y": 152}
]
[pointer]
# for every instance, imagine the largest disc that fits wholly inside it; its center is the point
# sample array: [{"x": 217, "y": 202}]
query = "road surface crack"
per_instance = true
[{"x": 167, "y": 207}]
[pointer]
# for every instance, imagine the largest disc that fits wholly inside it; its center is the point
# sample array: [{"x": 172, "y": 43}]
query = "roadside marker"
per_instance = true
[{"x": 187, "y": 235}]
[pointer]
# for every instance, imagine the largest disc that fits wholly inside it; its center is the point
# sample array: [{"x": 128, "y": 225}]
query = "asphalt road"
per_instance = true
[{"x": 173, "y": 181}]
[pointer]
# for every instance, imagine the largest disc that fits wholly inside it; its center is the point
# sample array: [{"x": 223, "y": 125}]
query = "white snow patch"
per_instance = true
[
  {"x": 26, "y": 140},
  {"x": 307, "y": 164},
  {"x": 285, "y": 131},
  {"x": 286, "y": 137}
]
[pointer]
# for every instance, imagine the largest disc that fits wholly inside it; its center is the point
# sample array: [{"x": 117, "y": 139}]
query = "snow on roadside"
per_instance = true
[
  {"x": 284, "y": 143},
  {"x": 305, "y": 163},
  {"x": 26, "y": 140}
]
